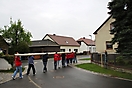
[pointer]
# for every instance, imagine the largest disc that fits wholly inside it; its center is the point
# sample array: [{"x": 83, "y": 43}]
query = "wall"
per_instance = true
[
  {"x": 70, "y": 47},
  {"x": 104, "y": 35},
  {"x": 47, "y": 37}
]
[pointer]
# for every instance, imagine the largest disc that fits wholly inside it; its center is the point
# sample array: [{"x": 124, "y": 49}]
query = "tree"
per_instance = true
[
  {"x": 121, "y": 11},
  {"x": 16, "y": 35}
]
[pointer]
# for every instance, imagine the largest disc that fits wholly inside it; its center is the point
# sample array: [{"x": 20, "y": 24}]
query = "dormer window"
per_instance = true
[{"x": 66, "y": 41}]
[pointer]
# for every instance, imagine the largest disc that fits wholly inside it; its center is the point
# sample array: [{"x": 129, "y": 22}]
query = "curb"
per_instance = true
[
  {"x": 2, "y": 80},
  {"x": 99, "y": 73}
]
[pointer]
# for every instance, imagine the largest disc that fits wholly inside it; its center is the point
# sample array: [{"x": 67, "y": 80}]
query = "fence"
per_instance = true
[{"x": 100, "y": 58}]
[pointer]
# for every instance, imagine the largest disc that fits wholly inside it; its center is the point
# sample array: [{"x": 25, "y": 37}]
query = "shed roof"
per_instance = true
[{"x": 39, "y": 43}]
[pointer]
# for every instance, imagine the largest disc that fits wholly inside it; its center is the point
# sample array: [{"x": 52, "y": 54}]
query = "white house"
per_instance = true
[
  {"x": 67, "y": 44},
  {"x": 86, "y": 45}
]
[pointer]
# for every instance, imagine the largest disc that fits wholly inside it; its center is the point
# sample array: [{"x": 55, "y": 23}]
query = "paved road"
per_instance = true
[{"x": 69, "y": 77}]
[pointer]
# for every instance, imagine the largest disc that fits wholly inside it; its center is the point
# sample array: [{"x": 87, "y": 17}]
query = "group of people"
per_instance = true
[
  {"x": 18, "y": 65},
  {"x": 63, "y": 60}
]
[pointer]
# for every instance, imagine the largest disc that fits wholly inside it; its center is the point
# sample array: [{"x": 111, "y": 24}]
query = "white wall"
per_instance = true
[
  {"x": 69, "y": 47},
  {"x": 84, "y": 47},
  {"x": 65, "y": 47},
  {"x": 104, "y": 35},
  {"x": 47, "y": 37}
]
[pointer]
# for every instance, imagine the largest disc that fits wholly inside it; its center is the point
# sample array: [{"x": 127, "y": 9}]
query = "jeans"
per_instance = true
[
  {"x": 63, "y": 62},
  {"x": 67, "y": 61},
  {"x": 75, "y": 60},
  {"x": 18, "y": 68},
  {"x": 55, "y": 65},
  {"x": 71, "y": 59},
  {"x": 59, "y": 63},
  {"x": 45, "y": 66}
]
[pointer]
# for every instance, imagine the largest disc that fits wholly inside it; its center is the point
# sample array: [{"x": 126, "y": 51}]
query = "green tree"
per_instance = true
[
  {"x": 121, "y": 11},
  {"x": 16, "y": 35}
]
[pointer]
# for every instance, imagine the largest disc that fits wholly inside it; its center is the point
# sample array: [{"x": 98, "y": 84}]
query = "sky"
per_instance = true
[{"x": 71, "y": 18}]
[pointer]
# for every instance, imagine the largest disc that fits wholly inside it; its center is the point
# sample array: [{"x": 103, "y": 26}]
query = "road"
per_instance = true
[{"x": 69, "y": 77}]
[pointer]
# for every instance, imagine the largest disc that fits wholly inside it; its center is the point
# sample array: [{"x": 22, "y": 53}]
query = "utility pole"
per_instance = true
[{"x": 91, "y": 43}]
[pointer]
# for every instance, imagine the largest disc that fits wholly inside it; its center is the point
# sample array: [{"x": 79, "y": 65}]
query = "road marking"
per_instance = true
[
  {"x": 34, "y": 82},
  {"x": 58, "y": 77}
]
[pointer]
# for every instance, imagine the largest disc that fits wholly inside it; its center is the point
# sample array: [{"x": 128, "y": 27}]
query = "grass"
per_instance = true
[
  {"x": 85, "y": 59},
  {"x": 98, "y": 69},
  {"x": 10, "y": 70}
]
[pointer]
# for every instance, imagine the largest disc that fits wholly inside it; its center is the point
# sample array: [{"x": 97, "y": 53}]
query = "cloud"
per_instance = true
[{"x": 74, "y": 18}]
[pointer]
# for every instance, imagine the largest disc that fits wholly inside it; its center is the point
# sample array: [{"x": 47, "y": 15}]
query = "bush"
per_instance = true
[
  {"x": 120, "y": 60},
  {"x": 129, "y": 62},
  {"x": 1, "y": 54}
]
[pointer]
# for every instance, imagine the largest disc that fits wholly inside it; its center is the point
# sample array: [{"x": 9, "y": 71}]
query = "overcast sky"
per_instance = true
[{"x": 72, "y": 18}]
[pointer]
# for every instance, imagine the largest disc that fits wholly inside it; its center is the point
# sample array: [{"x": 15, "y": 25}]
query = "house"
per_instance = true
[
  {"x": 86, "y": 45},
  {"x": 4, "y": 46},
  {"x": 46, "y": 45},
  {"x": 103, "y": 37},
  {"x": 67, "y": 44}
]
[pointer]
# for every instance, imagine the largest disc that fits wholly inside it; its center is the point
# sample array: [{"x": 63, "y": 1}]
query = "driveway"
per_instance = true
[{"x": 69, "y": 77}]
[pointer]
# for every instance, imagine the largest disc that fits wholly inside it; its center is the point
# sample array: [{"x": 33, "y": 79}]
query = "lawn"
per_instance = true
[
  {"x": 85, "y": 59},
  {"x": 98, "y": 69}
]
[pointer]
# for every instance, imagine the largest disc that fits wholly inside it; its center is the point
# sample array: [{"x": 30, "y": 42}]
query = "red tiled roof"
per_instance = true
[
  {"x": 63, "y": 40},
  {"x": 86, "y": 41}
]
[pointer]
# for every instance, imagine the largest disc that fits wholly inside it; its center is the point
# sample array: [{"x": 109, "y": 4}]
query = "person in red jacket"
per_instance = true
[
  {"x": 71, "y": 57},
  {"x": 55, "y": 60},
  {"x": 18, "y": 65},
  {"x": 59, "y": 61},
  {"x": 67, "y": 58}
]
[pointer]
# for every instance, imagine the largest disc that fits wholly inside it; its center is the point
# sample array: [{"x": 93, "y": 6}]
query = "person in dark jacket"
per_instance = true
[
  {"x": 31, "y": 65},
  {"x": 63, "y": 55},
  {"x": 45, "y": 60}
]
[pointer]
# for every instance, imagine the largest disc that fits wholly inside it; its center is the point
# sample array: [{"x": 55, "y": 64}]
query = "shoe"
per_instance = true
[
  {"x": 21, "y": 77},
  {"x": 13, "y": 78},
  {"x": 34, "y": 74},
  {"x": 44, "y": 71}
]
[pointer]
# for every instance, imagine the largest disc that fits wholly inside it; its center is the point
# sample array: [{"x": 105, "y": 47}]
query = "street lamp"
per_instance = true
[{"x": 91, "y": 42}]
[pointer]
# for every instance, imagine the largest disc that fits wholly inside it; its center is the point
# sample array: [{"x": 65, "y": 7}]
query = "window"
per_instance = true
[
  {"x": 69, "y": 50},
  {"x": 76, "y": 50},
  {"x": 109, "y": 45},
  {"x": 66, "y": 42},
  {"x": 111, "y": 28},
  {"x": 62, "y": 50},
  {"x": 89, "y": 48}
]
